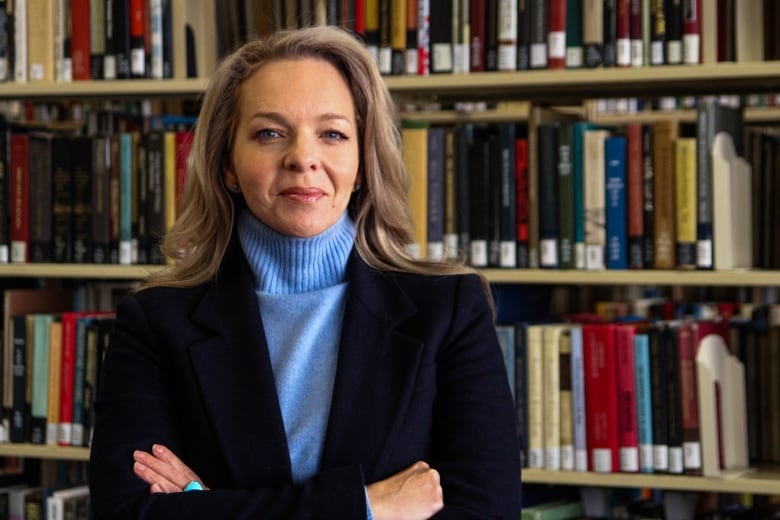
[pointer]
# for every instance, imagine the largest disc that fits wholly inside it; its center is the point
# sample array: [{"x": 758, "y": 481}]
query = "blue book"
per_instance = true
[
  {"x": 578, "y": 399},
  {"x": 643, "y": 402},
  {"x": 506, "y": 339},
  {"x": 615, "y": 198},
  {"x": 125, "y": 198},
  {"x": 435, "y": 246}
]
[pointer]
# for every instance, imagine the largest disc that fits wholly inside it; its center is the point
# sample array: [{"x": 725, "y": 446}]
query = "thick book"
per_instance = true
[
  {"x": 601, "y": 397},
  {"x": 40, "y": 196},
  {"x": 623, "y": 33},
  {"x": 415, "y": 152},
  {"x": 689, "y": 403},
  {"x": 41, "y": 346},
  {"x": 479, "y": 195},
  {"x": 593, "y": 32},
  {"x": 81, "y": 201},
  {"x": 20, "y": 420},
  {"x": 138, "y": 27},
  {"x": 691, "y": 32},
  {"x": 19, "y": 188},
  {"x": 441, "y": 39},
  {"x": 671, "y": 378},
  {"x": 62, "y": 199},
  {"x": 507, "y": 35},
  {"x": 658, "y": 36},
  {"x": 609, "y": 34},
  {"x": 534, "y": 358},
  {"x": 664, "y": 134},
  {"x": 556, "y": 34},
  {"x": 685, "y": 201},
  {"x": 397, "y": 37},
  {"x": 55, "y": 378},
  {"x": 578, "y": 190},
  {"x": 40, "y": 40},
  {"x": 478, "y": 28},
  {"x": 80, "y": 39},
  {"x": 507, "y": 233},
  {"x": 539, "y": 10},
  {"x": 673, "y": 17},
  {"x": 566, "y": 215},
  {"x": 648, "y": 194},
  {"x": 615, "y": 204},
  {"x": 573, "y": 35},
  {"x": 636, "y": 30},
  {"x": 413, "y": 16},
  {"x": 634, "y": 199},
  {"x": 551, "y": 395},
  {"x": 712, "y": 116},
  {"x": 594, "y": 205}
]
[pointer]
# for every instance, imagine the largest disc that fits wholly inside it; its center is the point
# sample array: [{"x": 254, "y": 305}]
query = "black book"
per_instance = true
[
  {"x": 62, "y": 195},
  {"x": 441, "y": 39},
  {"x": 547, "y": 144},
  {"x": 40, "y": 197},
  {"x": 81, "y": 160},
  {"x": 479, "y": 200}
]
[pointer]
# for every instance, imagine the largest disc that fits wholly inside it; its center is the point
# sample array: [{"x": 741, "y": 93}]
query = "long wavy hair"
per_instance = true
[{"x": 198, "y": 239}]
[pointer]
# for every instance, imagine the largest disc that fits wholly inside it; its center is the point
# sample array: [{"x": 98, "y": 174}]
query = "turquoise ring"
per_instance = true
[{"x": 193, "y": 486}]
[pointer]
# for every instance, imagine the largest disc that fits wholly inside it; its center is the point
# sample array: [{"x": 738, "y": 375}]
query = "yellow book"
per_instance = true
[
  {"x": 40, "y": 40},
  {"x": 551, "y": 392},
  {"x": 535, "y": 394},
  {"x": 53, "y": 398},
  {"x": 685, "y": 201},
  {"x": 415, "y": 154},
  {"x": 398, "y": 36},
  {"x": 169, "y": 179}
]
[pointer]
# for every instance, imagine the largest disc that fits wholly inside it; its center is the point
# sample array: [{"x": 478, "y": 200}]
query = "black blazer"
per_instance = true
[{"x": 420, "y": 375}]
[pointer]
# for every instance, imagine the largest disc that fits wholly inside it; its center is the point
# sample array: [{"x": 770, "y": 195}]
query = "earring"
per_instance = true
[
  {"x": 357, "y": 187},
  {"x": 235, "y": 187}
]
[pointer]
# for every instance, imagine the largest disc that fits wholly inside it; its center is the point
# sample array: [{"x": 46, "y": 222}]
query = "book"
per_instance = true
[
  {"x": 507, "y": 35},
  {"x": 413, "y": 17},
  {"x": 556, "y": 34},
  {"x": 692, "y": 32},
  {"x": 556, "y": 510},
  {"x": 477, "y": 32},
  {"x": 548, "y": 203},
  {"x": 18, "y": 14},
  {"x": 19, "y": 405},
  {"x": 573, "y": 35},
  {"x": 97, "y": 38},
  {"x": 593, "y": 32},
  {"x": 615, "y": 210},
  {"x": 479, "y": 195},
  {"x": 534, "y": 360},
  {"x": 41, "y": 346},
  {"x": 397, "y": 36},
  {"x": 566, "y": 214},
  {"x": 80, "y": 46},
  {"x": 55, "y": 503},
  {"x": 451, "y": 207},
  {"x": 415, "y": 152},
  {"x": 673, "y": 18},
  {"x": 726, "y": 30},
  {"x": 81, "y": 198},
  {"x": 601, "y": 397},
  {"x": 648, "y": 194},
  {"x": 435, "y": 193},
  {"x": 40, "y": 193},
  {"x": 659, "y": 397},
  {"x": 578, "y": 191},
  {"x": 441, "y": 37},
  {"x": 658, "y": 36},
  {"x": 40, "y": 40},
  {"x": 689, "y": 403},
  {"x": 636, "y": 28},
  {"x": 62, "y": 199},
  {"x": 664, "y": 135},
  {"x": 685, "y": 184},
  {"x": 594, "y": 193},
  {"x": 507, "y": 233},
  {"x": 628, "y": 439},
  {"x": 634, "y": 198},
  {"x": 522, "y": 215},
  {"x": 566, "y": 402},
  {"x": 55, "y": 380},
  {"x": 644, "y": 411},
  {"x": 551, "y": 395},
  {"x": 138, "y": 27},
  {"x": 539, "y": 12},
  {"x": 732, "y": 206},
  {"x": 579, "y": 411},
  {"x": 19, "y": 188}
]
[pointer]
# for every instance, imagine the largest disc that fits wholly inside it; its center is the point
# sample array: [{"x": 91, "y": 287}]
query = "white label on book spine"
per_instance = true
[
  {"x": 704, "y": 254},
  {"x": 18, "y": 251},
  {"x": 637, "y": 53},
  {"x": 508, "y": 254},
  {"x": 411, "y": 61},
  {"x": 442, "y": 57},
  {"x": 629, "y": 459},
  {"x": 556, "y": 44},
  {"x": 660, "y": 457},
  {"x": 78, "y": 435},
  {"x": 479, "y": 253},
  {"x": 567, "y": 458},
  {"x": 435, "y": 251},
  {"x": 138, "y": 62},
  {"x": 4, "y": 254},
  {"x": 646, "y": 457},
  {"x": 507, "y": 56},
  {"x": 579, "y": 255},
  {"x": 109, "y": 67},
  {"x": 536, "y": 458},
  {"x": 538, "y": 55},
  {"x": 64, "y": 437},
  {"x": 461, "y": 58},
  {"x": 574, "y": 57},
  {"x": 623, "y": 52},
  {"x": 385, "y": 60},
  {"x": 549, "y": 252},
  {"x": 674, "y": 52},
  {"x": 691, "y": 44},
  {"x": 676, "y": 459},
  {"x": 581, "y": 460},
  {"x": 552, "y": 458},
  {"x": 125, "y": 252},
  {"x": 594, "y": 257},
  {"x": 602, "y": 460},
  {"x": 692, "y": 455},
  {"x": 656, "y": 53}
]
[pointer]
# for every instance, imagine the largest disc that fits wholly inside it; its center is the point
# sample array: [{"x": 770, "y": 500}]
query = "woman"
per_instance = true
[{"x": 296, "y": 361}]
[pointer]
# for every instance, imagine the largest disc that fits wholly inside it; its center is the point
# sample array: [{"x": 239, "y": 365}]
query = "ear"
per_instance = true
[{"x": 229, "y": 178}]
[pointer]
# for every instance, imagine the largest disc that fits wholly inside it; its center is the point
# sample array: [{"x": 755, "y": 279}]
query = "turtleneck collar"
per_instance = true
[{"x": 284, "y": 264}]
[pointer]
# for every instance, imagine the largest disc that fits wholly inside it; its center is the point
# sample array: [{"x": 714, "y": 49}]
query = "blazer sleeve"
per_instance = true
[
  {"x": 139, "y": 403},
  {"x": 475, "y": 444}
]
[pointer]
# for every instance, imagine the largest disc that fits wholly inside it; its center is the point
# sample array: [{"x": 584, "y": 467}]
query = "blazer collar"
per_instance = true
[{"x": 374, "y": 374}]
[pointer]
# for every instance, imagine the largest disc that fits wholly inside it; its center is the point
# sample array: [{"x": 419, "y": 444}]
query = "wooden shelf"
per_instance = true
[
  {"x": 745, "y": 278},
  {"x": 42, "y": 451},
  {"x": 88, "y": 271},
  {"x": 128, "y": 88},
  {"x": 763, "y": 481},
  {"x": 558, "y": 86}
]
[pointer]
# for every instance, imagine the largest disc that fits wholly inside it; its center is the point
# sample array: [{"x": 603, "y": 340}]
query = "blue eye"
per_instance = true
[
  {"x": 333, "y": 134},
  {"x": 266, "y": 133}
]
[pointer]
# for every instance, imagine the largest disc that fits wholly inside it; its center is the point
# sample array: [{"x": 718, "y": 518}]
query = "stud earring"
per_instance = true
[
  {"x": 235, "y": 187},
  {"x": 357, "y": 187}
]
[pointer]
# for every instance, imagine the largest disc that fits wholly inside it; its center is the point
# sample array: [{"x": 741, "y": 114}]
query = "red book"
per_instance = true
[
  {"x": 686, "y": 358},
  {"x": 691, "y": 31},
  {"x": 183, "y": 146},
  {"x": 522, "y": 214},
  {"x": 556, "y": 34},
  {"x": 79, "y": 39},
  {"x": 623, "y": 33},
  {"x": 137, "y": 39},
  {"x": 20, "y": 196},
  {"x": 477, "y": 28},
  {"x": 601, "y": 397},
  {"x": 635, "y": 32},
  {"x": 359, "y": 7},
  {"x": 68, "y": 366},
  {"x": 628, "y": 439},
  {"x": 634, "y": 195}
]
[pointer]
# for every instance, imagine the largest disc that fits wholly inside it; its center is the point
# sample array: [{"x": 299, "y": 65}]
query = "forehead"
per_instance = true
[{"x": 301, "y": 79}]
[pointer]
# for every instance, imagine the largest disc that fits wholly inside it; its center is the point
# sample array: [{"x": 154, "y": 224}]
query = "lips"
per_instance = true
[{"x": 303, "y": 195}]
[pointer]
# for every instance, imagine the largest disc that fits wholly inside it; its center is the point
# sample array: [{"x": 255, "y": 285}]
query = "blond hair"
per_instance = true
[{"x": 201, "y": 234}]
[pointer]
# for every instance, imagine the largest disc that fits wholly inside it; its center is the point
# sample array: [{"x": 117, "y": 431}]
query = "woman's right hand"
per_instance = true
[
  {"x": 414, "y": 493},
  {"x": 163, "y": 470}
]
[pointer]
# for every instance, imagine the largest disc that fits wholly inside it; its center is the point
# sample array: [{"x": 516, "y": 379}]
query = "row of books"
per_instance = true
[
  {"x": 422, "y": 37},
  {"x": 664, "y": 386},
  {"x": 103, "y": 198},
  {"x": 561, "y": 192},
  {"x": 51, "y": 358},
  {"x": 66, "y": 40},
  {"x": 33, "y": 502}
]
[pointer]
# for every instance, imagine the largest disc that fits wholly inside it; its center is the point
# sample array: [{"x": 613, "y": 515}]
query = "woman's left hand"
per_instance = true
[{"x": 163, "y": 470}]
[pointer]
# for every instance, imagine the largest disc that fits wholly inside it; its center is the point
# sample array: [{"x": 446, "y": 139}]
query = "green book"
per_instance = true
[{"x": 558, "y": 510}]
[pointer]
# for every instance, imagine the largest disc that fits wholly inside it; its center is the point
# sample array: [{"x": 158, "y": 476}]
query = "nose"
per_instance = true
[{"x": 301, "y": 154}]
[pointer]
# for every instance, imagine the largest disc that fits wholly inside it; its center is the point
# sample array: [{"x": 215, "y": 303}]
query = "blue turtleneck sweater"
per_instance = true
[{"x": 301, "y": 288}]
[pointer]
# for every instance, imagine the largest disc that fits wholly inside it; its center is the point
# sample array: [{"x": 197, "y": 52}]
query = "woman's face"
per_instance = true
[{"x": 296, "y": 154}]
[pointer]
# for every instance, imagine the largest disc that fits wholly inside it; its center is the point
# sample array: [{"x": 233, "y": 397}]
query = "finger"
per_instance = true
[
  {"x": 159, "y": 484},
  {"x": 179, "y": 476}
]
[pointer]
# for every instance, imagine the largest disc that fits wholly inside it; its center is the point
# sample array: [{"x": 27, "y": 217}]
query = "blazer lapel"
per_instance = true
[
  {"x": 234, "y": 371},
  {"x": 375, "y": 372}
]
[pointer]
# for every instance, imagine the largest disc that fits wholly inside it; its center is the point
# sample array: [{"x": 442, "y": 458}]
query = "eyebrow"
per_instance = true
[{"x": 276, "y": 116}]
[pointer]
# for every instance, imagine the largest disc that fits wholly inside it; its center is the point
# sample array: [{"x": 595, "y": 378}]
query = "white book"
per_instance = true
[
  {"x": 56, "y": 501},
  {"x": 20, "y": 41}
]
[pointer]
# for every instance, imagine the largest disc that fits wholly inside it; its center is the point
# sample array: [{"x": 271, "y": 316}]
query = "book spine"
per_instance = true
[
  {"x": 634, "y": 201},
  {"x": 5, "y": 195},
  {"x": 55, "y": 378},
  {"x": 539, "y": 30},
  {"x": 674, "y": 400},
  {"x": 659, "y": 400},
  {"x": 507, "y": 218},
  {"x": 674, "y": 31},
  {"x": 565, "y": 199},
  {"x": 479, "y": 200},
  {"x": 579, "y": 412},
  {"x": 692, "y": 29},
  {"x": 556, "y": 34},
  {"x": 40, "y": 40},
  {"x": 494, "y": 197},
  {"x": 601, "y": 399},
  {"x": 126, "y": 201},
  {"x": 664, "y": 135},
  {"x": 21, "y": 46},
  {"x": 424, "y": 37},
  {"x": 594, "y": 202},
  {"x": 68, "y": 366},
  {"x": 121, "y": 18},
  {"x": 464, "y": 137},
  {"x": 82, "y": 199},
  {"x": 643, "y": 402},
  {"x": 658, "y": 33},
  {"x": 535, "y": 388},
  {"x": 521, "y": 202},
  {"x": 615, "y": 202},
  {"x": 609, "y": 38},
  {"x": 451, "y": 250},
  {"x": 523, "y": 36},
  {"x": 97, "y": 38},
  {"x": 109, "y": 56},
  {"x": 19, "y": 413},
  {"x": 578, "y": 188},
  {"x": 551, "y": 396},
  {"x": 411, "y": 65},
  {"x": 547, "y": 134},
  {"x": 40, "y": 197},
  {"x": 566, "y": 401},
  {"x": 415, "y": 151},
  {"x": 623, "y": 32},
  {"x": 79, "y": 376},
  {"x": 435, "y": 232},
  {"x": 441, "y": 39},
  {"x": 685, "y": 201},
  {"x": 574, "y": 50},
  {"x": 397, "y": 36},
  {"x": 137, "y": 43},
  {"x": 80, "y": 45},
  {"x": 593, "y": 32},
  {"x": 521, "y": 392},
  {"x": 648, "y": 205},
  {"x": 478, "y": 25},
  {"x": 507, "y": 35},
  {"x": 20, "y": 197},
  {"x": 491, "y": 35},
  {"x": 627, "y": 416},
  {"x": 100, "y": 200},
  {"x": 461, "y": 34},
  {"x": 689, "y": 407},
  {"x": 636, "y": 14}
]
